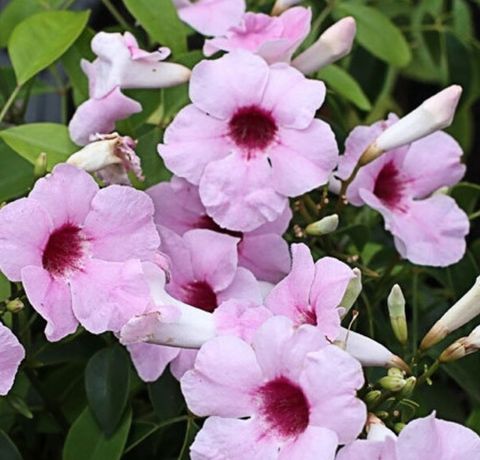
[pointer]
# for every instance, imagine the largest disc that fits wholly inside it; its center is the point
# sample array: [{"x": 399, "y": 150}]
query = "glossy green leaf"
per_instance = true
[
  {"x": 107, "y": 381},
  {"x": 166, "y": 396},
  {"x": 32, "y": 139},
  {"x": 5, "y": 289},
  {"x": 8, "y": 450},
  {"x": 15, "y": 12},
  {"x": 467, "y": 195},
  {"x": 41, "y": 39},
  {"x": 377, "y": 33},
  {"x": 160, "y": 19},
  {"x": 342, "y": 83},
  {"x": 85, "y": 440}
]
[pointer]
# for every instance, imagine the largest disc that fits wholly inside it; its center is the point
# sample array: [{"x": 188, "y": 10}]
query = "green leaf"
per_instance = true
[
  {"x": 160, "y": 19},
  {"x": 107, "y": 381},
  {"x": 341, "y": 82},
  {"x": 378, "y": 34},
  {"x": 467, "y": 195},
  {"x": 166, "y": 396},
  {"x": 5, "y": 289},
  {"x": 32, "y": 139},
  {"x": 85, "y": 440},
  {"x": 8, "y": 450},
  {"x": 14, "y": 13},
  {"x": 473, "y": 421},
  {"x": 41, "y": 39}
]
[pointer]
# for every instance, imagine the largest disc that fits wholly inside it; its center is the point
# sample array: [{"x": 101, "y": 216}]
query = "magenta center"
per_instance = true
[
  {"x": 389, "y": 186},
  {"x": 284, "y": 406},
  {"x": 207, "y": 223},
  {"x": 64, "y": 250},
  {"x": 200, "y": 295},
  {"x": 252, "y": 128}
]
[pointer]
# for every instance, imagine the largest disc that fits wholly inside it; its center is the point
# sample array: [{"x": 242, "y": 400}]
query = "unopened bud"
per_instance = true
[
  {"x": 407, "y": 390},
  {"x": 464, "y": 310},
  {"x": 282, "y": 5},
  {"x": 40, "y": 166},
  {"x": 398, "y": 427},
  {"x": 432, "y": 115},
  {"x": 392, "y": 383},
  {"x": 372, "y": 397},
  {"x": 462, "y": 347},
  {"x": 352, "y": 292},
  {"x": 395, "y": 372},
  {"x": 376, "y": 430},
  {"x": 382, "y": 414},
  {"x": 396, "y": 310},
  {"x": 332, "y": 45},
  {"x": 323, "y": 226},
  {"x": 15, "y": 305}
]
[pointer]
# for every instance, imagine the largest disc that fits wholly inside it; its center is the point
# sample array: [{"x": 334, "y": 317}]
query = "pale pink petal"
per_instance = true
[
  {"x": 221, "y": 86},
  {"x": 433, "y": 162},
  {"x": 278, "y": 226},
  {"x": 315, "y": 443},
  {"x": 214, "y": 257},
  {"x": 244, "y": 286},
  {"x": 363, "y": 449},
  {"x": 303, "y": 159},
  {"x": 12, "y": 354},
  {"x": 291, "y": 297},
  {"x": 230, "y": 439},
  {"x": 151, "y": 360},
  {"x": 66, "y": 194},
  {"x": 292, "y": 98},
  {"x": 120, "y": 225},
  {"x": 211, "y": 17},
  {"x": 105, "y": 295},
  {"x": 183, "y": 363},
  {"x": 24, "y": 231},
  {"x": 51, "y": 298},
  {"x": 192, "y": 141},
  {"x": 243, "y": 201},
  {"x": 220, "y": 385},
  {"x": 266, "y": 256},
  {"x": 334, "y": 402},
  {"x": 99, "y": 115}
]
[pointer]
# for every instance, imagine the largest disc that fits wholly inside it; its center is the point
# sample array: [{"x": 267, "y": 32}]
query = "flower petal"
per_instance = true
[{"x": 10, "y": 358}]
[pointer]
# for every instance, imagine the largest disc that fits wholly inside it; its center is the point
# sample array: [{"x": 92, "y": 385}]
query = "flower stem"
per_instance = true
[{"x": 10, "y": 101}]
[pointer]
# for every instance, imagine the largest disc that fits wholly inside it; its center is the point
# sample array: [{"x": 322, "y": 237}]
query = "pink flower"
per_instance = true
[
  {"x": 110, "y": 157},
  {"x": 312, "y": 292},
  {"x": 273, "y": 38},
  {"x": 12, "y": 354},
  {"x": 423, "y": 439},
  {"x": 255, "y": 120},
  {"x": 204, "y": 274},
  {"x": 263, "y": 251},
  {"x": 210, "y": 17},
  {"x": 264, "y": 401},
  {"x": 78, "y": 251},
  {"x": 428, "y": 229},
  {"x": 120, "y": 64}
]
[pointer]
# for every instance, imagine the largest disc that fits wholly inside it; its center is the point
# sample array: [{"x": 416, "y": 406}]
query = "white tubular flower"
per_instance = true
[
  {"x": 462, "y": 347},
  {"x": 333, "y": 44},
  {"x": 324, "y": 226},
  {"x": 467, "y": 308},
  {"x": 376, "y": 430},
  {"x": 111, "y": 156},
  {"x": 435, "y": 113},
  {"x": 369, "y": 352},
  {"x": 354, "y": 289},
  {"x": 282, "y": 5}
]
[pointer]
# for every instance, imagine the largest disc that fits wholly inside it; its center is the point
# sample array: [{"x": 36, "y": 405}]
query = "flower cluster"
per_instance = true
[{"x": 195, "y": 274}]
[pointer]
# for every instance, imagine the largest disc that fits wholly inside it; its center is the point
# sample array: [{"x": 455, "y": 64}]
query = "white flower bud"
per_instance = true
[
  {"x": 324, "y": 226},
  {"x": 462, "y": 347},
  {"x": 282, "y": 5},
  {"x": 331, "y": 46},
  {"x": 396, "y": 309},
  {"x": 352, "y": 292},
  {"x": 432, "y": 115},
  {"x": 467, "y": 308}
]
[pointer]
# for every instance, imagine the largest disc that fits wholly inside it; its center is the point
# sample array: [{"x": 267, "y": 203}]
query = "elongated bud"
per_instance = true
[
  {"x": 354, "y": 289},
  {"x": 432, "y": 115},
  {"x": 372, "y": 397},
  {"x": 369, "y": 352},
  {"x": 396, "y": 309},
  {"x": 324, "y": 226},
  {"x": 40, "y": 167},
  {"x": 282, "y": 5},
  {"x": 407, "y": 390},
  {"x": 392, "y": 383},
  {"x": 332, "y": 45},
  {"x": 462, "y": 347},
  {"x": 467, "y": 308},
  {"x": 15, "y": 305}
]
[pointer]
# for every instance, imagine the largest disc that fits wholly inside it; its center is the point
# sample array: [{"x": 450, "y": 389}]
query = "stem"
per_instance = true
[
  {"x": 381, "y": 103},
  {"x": 10, "y": 101},
  {"x": 428, "y": 373},
  {"x": 474, "y": 215},
  {"x": 116, "y": 14},
  {"x": 415, "y": 311}
]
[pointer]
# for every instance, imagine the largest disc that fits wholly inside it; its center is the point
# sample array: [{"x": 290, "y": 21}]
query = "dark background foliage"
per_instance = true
[{"x": 80, "y": 399}]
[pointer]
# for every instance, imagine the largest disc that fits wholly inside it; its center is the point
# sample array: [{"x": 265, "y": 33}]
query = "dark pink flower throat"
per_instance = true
[
  {"x": 252, "y": 128},
  {"x": 389, "y": 186},
  {"x": 64, "y": 250},
  {"x": 284, "y": 406},
  {"x": 200, "y": 295}
]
